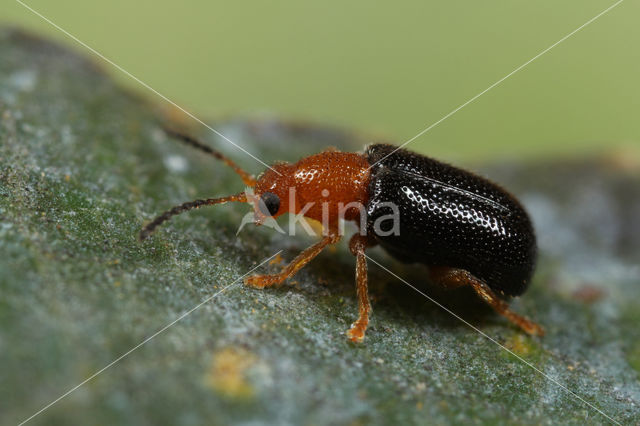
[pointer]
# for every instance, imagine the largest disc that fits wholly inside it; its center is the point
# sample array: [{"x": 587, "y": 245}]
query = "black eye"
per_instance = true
[{"x": 269, "y": 202}]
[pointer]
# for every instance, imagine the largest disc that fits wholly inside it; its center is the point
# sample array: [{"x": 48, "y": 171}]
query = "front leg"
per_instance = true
[{"x": 262, "y": 281}]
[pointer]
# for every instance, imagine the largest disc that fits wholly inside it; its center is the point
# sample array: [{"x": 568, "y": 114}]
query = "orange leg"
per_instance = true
[
  {"x": 452, "y": 277},
  {"x": 262, "y": 281},
  {"x": 357, "y": 245}
]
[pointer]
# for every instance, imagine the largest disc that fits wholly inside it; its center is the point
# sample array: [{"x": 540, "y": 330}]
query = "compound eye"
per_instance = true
[{"x": 269, "y": 202}]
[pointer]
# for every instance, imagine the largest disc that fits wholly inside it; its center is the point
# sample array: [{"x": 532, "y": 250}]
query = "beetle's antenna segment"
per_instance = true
[
  {"x": 148, "y": 230},
  {"x": 247, "y": 178}
]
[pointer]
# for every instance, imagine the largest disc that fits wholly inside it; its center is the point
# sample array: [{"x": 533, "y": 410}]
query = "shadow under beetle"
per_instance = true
[{"x": 466, "y": 229}]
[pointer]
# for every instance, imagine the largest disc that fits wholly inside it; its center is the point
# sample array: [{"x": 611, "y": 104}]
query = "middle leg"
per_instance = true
[{"x": 357, "y": 245}]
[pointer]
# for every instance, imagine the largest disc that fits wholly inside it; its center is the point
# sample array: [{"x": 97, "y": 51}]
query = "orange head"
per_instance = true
[{"x": 324, "y": 187}]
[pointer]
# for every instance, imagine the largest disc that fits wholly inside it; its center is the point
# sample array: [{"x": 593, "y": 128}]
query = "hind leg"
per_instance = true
[{"x": 452, "y": 277}]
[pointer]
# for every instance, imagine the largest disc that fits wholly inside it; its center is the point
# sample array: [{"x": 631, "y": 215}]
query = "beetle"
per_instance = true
[{"x": 468, "y": 230}]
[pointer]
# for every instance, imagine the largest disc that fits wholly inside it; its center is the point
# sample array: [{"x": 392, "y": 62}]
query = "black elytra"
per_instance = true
[{"x": 449, "y": 216}]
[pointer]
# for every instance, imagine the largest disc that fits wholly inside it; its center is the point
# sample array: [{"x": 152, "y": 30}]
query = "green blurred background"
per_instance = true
[{"x": 389, "y": 70}]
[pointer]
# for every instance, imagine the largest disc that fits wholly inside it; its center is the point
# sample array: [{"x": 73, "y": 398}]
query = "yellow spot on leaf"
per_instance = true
[
  {"x": 227, "y": 373},
  {"x": 519, "y": 344}
]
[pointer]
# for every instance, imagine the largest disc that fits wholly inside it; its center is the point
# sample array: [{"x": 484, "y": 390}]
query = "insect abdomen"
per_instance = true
[{"x": 449, "y": 217}]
